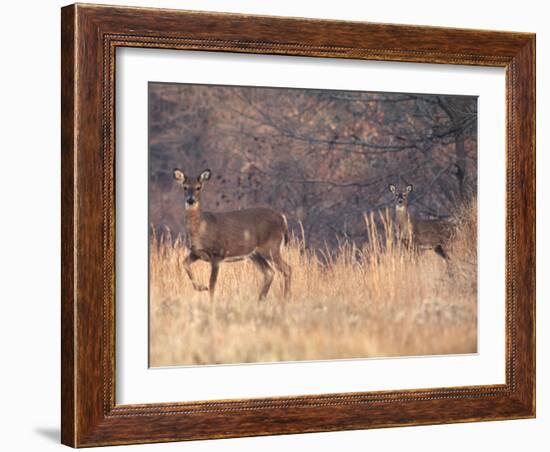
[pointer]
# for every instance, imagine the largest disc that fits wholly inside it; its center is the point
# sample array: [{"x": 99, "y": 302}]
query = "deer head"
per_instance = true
[
  {"x": 400, "y": 195},
  {"x": 191, "y": 187}
]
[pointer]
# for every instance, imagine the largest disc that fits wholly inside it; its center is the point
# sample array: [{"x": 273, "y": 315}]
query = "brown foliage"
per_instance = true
[{"x": 321, "y": 157}]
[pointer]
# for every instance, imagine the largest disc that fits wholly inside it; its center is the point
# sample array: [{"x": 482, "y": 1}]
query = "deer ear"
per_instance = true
[
  {"x": 179, "y": 176},
  {"x": 205, "y": 175},
  {"x": 392, "y": 188},
  {"x": 409, "y": 188}
]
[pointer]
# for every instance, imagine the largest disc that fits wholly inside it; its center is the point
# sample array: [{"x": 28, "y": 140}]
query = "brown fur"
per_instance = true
[
  {"x": 417, "y": 232},
  {"x": 256, "y": 234}
]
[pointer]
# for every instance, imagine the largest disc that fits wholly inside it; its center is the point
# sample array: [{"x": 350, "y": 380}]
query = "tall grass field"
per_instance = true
[{"x": 380, "y": 300}]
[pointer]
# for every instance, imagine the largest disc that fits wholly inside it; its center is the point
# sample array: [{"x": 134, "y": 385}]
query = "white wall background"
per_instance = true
[{"x": 29, "y": 253}]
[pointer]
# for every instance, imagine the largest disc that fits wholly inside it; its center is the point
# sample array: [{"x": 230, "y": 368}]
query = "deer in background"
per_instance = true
[
  {"x": 418, "y": 233},
  {"x": 257, "y": 234}
]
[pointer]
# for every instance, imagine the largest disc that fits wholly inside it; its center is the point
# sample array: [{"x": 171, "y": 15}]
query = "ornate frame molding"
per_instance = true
[{"x": 90, "y": 37}]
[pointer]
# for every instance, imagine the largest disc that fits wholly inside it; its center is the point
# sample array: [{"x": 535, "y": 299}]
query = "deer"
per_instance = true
[
  {"x": 257, "y": 234},
  {"x": 417, "y": 233}
]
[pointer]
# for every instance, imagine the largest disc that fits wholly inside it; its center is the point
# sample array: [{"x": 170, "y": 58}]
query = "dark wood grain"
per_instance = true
[
  {"x": 90, "y": 36},
  {"x": 67, "y": 227}
]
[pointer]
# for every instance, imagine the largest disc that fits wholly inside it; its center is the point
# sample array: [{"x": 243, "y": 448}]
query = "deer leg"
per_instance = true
[
  {"x": 215, "y": 268},
  {"x": 441, "y": 252},
  {"x": 262, "y": 263},
  {"x": 187, "y": 266},
  {"x": 285, "y": 269}
]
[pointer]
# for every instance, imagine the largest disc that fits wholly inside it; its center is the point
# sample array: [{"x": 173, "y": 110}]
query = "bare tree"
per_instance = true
[{"x": 324, "y": 158}]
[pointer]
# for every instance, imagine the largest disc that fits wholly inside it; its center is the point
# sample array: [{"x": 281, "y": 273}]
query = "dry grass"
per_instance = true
[{"x": 381, "y": 300}]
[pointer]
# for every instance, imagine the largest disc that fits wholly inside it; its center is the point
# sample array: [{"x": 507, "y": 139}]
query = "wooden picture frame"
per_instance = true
[{"x": 90, "y": 36}]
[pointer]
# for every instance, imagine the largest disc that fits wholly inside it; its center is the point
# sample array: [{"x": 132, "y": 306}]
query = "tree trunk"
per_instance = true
[{"x": 461, "y": 164}]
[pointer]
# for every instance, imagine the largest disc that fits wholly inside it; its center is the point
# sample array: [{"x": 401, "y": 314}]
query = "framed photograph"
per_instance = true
[{"x": 280, "y": 225}]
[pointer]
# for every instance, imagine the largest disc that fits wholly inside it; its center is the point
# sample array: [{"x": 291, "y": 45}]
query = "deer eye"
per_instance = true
[
  {"x": 198, "y": 188},
  {"x": 185, "y": 187}
]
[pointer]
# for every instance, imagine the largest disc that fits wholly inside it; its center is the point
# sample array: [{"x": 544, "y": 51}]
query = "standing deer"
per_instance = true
[
  {"x": 257, "y": 234},
  {"x": 415, "y": 232}
]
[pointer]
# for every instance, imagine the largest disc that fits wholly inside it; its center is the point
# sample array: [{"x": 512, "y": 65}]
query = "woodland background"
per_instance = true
[{"x": 323, "y": 158}]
